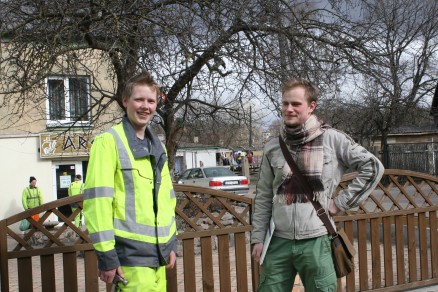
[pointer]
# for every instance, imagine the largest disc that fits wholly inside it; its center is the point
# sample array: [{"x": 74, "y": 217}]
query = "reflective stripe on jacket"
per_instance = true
[{"x": 129, "y": 202}]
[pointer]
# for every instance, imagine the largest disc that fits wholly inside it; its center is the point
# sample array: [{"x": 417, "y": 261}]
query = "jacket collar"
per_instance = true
[{"x": 152, "y": 146}]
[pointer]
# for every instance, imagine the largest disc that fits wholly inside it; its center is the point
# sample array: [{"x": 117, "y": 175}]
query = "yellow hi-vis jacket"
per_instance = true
[
  {"x": 31, "y": 198},
  {"x": 75, "y": 188},
  {"x": 129, "y": 202}
]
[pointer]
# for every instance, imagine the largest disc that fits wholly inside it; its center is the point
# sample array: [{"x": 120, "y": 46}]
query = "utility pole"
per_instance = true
[{"x": 250, "y": 126}]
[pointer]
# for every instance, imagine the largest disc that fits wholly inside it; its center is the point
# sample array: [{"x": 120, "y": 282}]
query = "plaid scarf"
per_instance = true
[{"x": 309, "y": 158}]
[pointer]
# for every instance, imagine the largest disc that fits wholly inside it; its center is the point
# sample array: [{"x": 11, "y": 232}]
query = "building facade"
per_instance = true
[{"x": 48, "y": 132}]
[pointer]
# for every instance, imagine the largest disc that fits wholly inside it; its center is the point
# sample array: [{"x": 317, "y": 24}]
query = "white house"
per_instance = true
[{"x": 194, "y": 155}]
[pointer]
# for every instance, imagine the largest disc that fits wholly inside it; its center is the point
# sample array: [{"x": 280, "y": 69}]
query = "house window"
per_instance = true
[{"x": 68, "y": 100}]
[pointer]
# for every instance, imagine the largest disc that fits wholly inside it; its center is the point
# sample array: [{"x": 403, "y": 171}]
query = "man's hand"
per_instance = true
[
  {"x": 108, "y": 276},
  {"x": 257, "y": 251},
  {"x": 332, "y": 208},
  {"x": 172, "y": 260}
]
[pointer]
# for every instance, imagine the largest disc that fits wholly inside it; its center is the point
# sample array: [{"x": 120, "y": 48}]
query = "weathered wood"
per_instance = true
[
  {"x": 400, "y": 254},
  {"x": 362, "y": 253},
  {"x": 4, "y": 266},
  {"x": 172, "y": 279},
  {"x": 422, "y": 230},
  {"x": 90, "y": 270},
  {"x": 387, "y": 252},
  {"x": 350, "y": 279},
  {"x": 375, "y": 253},
  {"x": 399, "y": 219},
  {"x": 48, "y": 282},
  {"x": 255, "y": 268},
  {"x": 70, "y": 272},
  {"x": 411, "y": 249},
  {"x": 207, "y": 265},
  {"x": 189, "y": 265},
  {"x": 224, "y": 262},
  {"x": 241, "y": 262},
  {"x": 25, "y": 277},
  {"x": 433, "y": 242}
]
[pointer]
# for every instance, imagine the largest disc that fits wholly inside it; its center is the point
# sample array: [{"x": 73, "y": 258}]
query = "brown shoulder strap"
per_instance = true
[{"x": 320, "y": 211}]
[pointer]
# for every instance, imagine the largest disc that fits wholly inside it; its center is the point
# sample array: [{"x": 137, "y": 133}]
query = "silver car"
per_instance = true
[{"x": 217, "y": 178}]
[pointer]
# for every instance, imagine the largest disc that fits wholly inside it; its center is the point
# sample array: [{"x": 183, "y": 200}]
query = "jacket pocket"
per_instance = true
[{"x": 278, "y": 165}]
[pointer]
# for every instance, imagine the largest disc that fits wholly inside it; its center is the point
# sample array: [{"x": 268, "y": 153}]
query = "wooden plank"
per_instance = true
[
  {"x": 360, "y": 216},
  {"x": 241, "y": 262},
  {"x": 172, "y": 279},
  {"x": 4, "y": 268},
  {"x": 399, "y": 249},
  {"x": 25, "y": 278},
  {"x": 48, "y": 282},
  {"x": 433, "y": 241},
  {"x": 189, "y": 265},
  {"x": 412, "y": 257},
  {"x": 350, "y": 280},
  {"x": 255, "y": 268},
  {"x": 49, "y": 250},
  {"x": 387, "y": 252},
  {"x": 70, "y": 272},
  {"x": 90, "y": 270},
  {"x": 362, "y": 254},
  {"x": 422, "y": 236},
  {"x": 213, "y": 232},
  {"x": 375, "y": 253},
  {"x": 224, "y": 263},
  {"x": 207, "y": 265}
]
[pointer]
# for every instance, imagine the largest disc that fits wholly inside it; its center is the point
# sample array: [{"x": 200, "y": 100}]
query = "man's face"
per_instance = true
[
  {"x": 141, "y": 106},
  {"x": 295, "y": 107},
  {"x": 33, "y": 183}
]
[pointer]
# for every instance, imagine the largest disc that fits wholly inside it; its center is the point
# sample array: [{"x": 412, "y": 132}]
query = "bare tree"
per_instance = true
[
  {"x": 393, "y": 47},
  {"x": 213, "y": 57},
  {"x": 210, "y": 56}
]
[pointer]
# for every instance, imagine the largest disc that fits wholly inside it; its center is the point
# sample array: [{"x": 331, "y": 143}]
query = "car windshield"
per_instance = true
[
  {"x": 218, "y": 171},
  {"x": 185, "y": 175}
]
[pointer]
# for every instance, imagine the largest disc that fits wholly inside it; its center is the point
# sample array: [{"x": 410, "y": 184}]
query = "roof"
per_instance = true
[{"x": 425, "y": 129}]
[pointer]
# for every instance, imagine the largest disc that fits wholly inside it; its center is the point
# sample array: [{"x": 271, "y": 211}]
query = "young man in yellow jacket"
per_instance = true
[
  {"x": 76, "y": 188},
  {"x": 32, "y": 197},
  {"x": 129, "y": 202}
]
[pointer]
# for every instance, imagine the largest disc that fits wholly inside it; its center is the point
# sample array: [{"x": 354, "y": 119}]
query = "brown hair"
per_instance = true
[
  {"x": 311, "y": 91},
  {"x": 142, "y": 78}
]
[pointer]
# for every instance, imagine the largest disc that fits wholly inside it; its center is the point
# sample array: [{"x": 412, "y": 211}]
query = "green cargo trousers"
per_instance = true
[{"x": 310, "y": 258}]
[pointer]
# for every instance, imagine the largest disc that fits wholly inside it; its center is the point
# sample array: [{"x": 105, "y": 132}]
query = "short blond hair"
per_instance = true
[
  {"x": 142, "y": 78},
  {"x": 311, "y": 91}
]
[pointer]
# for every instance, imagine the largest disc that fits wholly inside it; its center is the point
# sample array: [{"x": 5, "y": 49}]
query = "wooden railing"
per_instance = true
[
  {"x": 214, "y": 229},
  {"x": 394, "y": 231},
  {"x": 46, "y": 242}
]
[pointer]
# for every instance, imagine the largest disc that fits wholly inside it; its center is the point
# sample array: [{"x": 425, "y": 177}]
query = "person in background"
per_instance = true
[
  {"x": 32, "y": 197},
  {"x": 129, "y": 202},
  {"x": 76, "y": 188},
  {"x": 299, "y": 242}
]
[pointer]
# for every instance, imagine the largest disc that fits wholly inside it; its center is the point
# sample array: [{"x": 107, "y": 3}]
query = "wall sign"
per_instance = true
[{"x": 65, "y": 145}]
